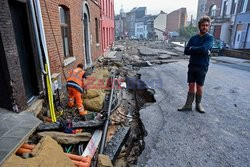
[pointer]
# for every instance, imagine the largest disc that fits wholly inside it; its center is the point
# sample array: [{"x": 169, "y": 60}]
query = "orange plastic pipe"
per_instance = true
[
  {"x": 80, "y": 163},
  {"x": 20, "y": 151},
  {"x": 28, "y": 146},
  {"x": 79, "y": 158}
]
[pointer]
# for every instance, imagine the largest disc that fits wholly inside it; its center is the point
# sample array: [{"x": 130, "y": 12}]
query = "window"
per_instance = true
[
  {"x": 213, "y": 10},
  {"x": 233, "y": 9},
  {"x": 97, "y": 30},
  {"x": 244, "y": 6},
  {"x": 65, "y": 30},
  {"x": 225, "y": 5},
  {"x": 203, "y": 7}
]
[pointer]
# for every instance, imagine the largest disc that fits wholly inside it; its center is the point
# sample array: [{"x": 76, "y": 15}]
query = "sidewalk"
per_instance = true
[
  {"x": 231, "y": 60},
  {"x": 14, "y": 130}
]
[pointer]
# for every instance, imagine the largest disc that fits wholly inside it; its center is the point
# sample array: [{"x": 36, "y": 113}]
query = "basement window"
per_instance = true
[{"x": 65, "y": 30}]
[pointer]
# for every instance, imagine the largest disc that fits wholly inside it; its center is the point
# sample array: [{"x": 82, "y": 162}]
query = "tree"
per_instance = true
[{"x": 188, "y": 31}]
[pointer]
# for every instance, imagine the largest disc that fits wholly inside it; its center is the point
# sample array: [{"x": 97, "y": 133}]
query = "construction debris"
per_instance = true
[
  {"x": 93, "y": 144},
  {"x": 104, "y": 161},
  {"x": 49, "y": 153},
  {"x": 75, "y": 125},
  {"x": 64, "y": 138},
  {"x": 116, "y": 143},
  {"x": 145, "y": 51},
  {"x": 165, "y": 56}
]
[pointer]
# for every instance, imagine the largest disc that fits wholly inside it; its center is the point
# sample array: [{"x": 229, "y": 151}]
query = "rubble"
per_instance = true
[
  {"x": 75, "y": 125},
  {"x": 116, "y": 143},
  {"x": 164, "y": 56},
  {"x": 145, "y": 51},
  {"x": 64, "y": 138},
  {"x": 104, "y": 161}
]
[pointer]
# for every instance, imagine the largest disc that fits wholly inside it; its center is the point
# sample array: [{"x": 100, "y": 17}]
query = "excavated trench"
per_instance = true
[
  {"x": 126, "y": 106},
  {"x": 135, "y": 144}
]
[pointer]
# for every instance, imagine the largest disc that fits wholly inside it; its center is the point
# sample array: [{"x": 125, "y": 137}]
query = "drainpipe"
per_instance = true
[
  {"x": 36, "y": 34},
  {"x": 42, "y": 35}
]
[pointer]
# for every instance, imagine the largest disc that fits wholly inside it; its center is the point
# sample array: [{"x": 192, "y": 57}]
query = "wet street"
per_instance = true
[{"x": 220, "y": 137}]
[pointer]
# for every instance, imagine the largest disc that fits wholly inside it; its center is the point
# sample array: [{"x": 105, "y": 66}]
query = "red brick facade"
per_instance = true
[
  {"x": 107, "y": 23},
  {"x": 20, "y": 70},
  {"x": 51, "y": 19},
  {"x": 176, "y": 20},
  {"x": 95, "y": 14}
]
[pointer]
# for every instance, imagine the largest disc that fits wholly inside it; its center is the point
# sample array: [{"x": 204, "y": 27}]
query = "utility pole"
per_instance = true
[{"x": 191, "y": 23}]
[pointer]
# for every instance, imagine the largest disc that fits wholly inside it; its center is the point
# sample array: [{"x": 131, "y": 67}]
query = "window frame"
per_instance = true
[
  {"x": 97, "y": 30},
  {"x": 65, "y": 31}
]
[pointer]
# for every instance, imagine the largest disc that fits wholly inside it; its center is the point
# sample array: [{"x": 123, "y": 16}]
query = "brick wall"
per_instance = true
[
  {"x": 177, "y": 19},
  {"x": 210, "y": 3},
  {"x": 51, "y": 19},
  {"x": 173, "y": 21},
  {"x": 107, "y": 24},
  {"x": 14, "y": 79},
  {"x": 95, "y": 14}
]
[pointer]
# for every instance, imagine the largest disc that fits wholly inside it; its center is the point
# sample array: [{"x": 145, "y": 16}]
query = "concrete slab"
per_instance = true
[
  {"x": 36, "y": 107},
  {"x": 15, "y": 128}
]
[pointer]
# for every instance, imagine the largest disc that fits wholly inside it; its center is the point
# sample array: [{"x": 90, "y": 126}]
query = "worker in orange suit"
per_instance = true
[{"x": 75, "y": 87}]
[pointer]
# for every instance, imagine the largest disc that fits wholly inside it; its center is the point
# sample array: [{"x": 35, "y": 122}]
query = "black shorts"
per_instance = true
[{"x": 197, "y": 74}]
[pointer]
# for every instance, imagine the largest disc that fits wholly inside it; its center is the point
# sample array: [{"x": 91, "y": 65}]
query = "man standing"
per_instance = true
[
  {"x": 198, "y": 48},
  {"x": 75, "y": 87}
]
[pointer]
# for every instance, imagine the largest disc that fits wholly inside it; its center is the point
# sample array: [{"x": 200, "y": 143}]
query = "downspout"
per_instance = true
[
  {"x": 34, "y": 24},
  {"x": 42, "y": 35},
  {"x": 38, "y": 15}
]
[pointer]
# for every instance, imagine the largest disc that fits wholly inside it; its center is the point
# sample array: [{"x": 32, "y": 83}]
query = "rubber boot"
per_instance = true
[
  {"x": 189, "y": 102},
  {"x": 198, "y": 106}
]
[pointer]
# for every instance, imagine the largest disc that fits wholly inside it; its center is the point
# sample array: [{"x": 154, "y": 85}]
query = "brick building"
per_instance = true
[
  {"x": 19, "y": 67},
  {"x": 201, "y": 10},
  {"x": 107, "y": 24},
  {"x": 241, "y": 28},
  {"x": 72, "y": 32},
  {"x": 213, "y": 9},
  {"x": 177, "y": 20}
]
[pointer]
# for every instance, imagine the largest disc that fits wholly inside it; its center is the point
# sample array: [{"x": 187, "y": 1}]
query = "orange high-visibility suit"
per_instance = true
[{"x": 75, "y": 85}]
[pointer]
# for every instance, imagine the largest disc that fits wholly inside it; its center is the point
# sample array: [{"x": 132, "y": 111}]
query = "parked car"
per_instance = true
[{"x": 218, "y": 47}]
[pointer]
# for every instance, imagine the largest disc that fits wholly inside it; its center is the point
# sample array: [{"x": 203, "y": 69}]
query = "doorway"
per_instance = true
[
  {"x": 5, "y": 101},
  {"x": 87, "y": 47},
  {"x": 22, "y": 30},
  {"x": 238, "y": 36}
]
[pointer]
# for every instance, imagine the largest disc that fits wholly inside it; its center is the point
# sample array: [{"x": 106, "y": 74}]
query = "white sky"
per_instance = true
[{"x": 155, "y": 6}]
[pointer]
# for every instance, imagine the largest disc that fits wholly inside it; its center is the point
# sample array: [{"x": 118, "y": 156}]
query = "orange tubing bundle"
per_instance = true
[
  {"x": 21, "y": 151},
  {"x": 25, "y": 148},
  {"x": 80, "y": 161},
  {"x": 28, "y": 146}
]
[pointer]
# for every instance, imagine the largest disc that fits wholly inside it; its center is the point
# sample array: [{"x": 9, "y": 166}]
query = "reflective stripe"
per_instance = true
[
  {"x": 74, "y": 85},
  {"x": 71, "y": 99},
  {"x": 76, "y": 76},
  {"x": 81, "y": 110}
]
